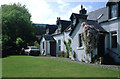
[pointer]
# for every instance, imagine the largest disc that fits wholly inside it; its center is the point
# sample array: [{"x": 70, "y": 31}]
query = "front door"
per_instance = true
[{"x": 52, "y": 48}]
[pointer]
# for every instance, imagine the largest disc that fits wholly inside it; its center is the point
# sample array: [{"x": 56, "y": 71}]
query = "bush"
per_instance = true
[{"x": 19, "y": 43}]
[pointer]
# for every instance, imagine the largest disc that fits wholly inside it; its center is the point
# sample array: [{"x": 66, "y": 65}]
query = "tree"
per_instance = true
[{"x": 16, "y": 23}]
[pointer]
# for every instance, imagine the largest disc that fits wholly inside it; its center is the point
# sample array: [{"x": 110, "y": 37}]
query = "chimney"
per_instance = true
[
  {"x": 57, "y": 22},
  {"x": 58, "y": 18},
  {"x": 82, "y": 11}
]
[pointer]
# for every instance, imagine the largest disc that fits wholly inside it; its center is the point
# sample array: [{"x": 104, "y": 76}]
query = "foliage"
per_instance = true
[
  {"x": 6, "y": 42},
  {"x": 39, "y": 29},
  {"x": 89, "y": 36},
  {"x": 16, "y": 23},
  {"x": 30, "y": 66},
  {"x": 6, "y": 45},
  {"x": 19, "y": 43},
  {"x": 67, "y": 45}
]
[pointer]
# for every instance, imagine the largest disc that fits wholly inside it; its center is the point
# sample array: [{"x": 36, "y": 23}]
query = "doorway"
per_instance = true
[
  {"x": 53, "y": 48},
  {"x": 101, "y": 45}
]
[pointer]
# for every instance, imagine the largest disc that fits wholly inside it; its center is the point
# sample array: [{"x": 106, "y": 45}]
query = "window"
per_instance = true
[
  {"x": 114, "y": 39},
  {"x": 59, "y": 45},
  {"x": 43, "y": 45},
  {"x": 74, "y": 22},
  {"x": 113, "y": 11},
  {"x": 80, "y": 40},
  {"x": 59, "y": 30},
  {"x": 47, "y": 31}
]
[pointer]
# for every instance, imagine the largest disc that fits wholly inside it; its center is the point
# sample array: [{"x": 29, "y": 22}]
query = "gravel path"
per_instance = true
[{"x": 113, "y": 67}]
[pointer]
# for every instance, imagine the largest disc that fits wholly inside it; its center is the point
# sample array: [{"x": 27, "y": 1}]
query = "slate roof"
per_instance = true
[
  {"x": 48, "y": 37},
  {"x": 64, "y": 24},
  {"x": 90, "y": 22},
  {"x": 100, "y": 14},
  {"x": 113, "y": 1},
  {"x": 52, "y": 28},
  {"x": 77, "y": 16},
  {"x": 68, "y": 28}
]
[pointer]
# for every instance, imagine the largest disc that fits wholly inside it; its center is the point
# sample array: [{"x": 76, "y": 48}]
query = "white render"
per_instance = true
[
  {"x": 62, "y": 36},
  {"x": 46, "y": 46},
  {"x": 80, "y": 51}
]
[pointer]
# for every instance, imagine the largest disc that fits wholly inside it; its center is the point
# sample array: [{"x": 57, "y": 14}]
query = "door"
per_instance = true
[
  {"x": 53, "y": 48},
  {"x": 101, "y": 45}
]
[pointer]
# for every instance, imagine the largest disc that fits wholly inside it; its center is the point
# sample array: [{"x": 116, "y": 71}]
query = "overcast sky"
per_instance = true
[{"x": 47, "y": 11}]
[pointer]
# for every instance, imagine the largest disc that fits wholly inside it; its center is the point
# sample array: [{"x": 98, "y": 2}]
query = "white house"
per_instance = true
[
  {"x": 48, "y": 43},
  {"x": 105, "y": 22},
  {"x": 61, "y": 34},
  {"x": 109, "y": 19}
]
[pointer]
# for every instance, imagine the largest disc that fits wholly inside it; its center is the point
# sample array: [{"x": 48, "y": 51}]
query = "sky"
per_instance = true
[{"x": 47, "y": 11}]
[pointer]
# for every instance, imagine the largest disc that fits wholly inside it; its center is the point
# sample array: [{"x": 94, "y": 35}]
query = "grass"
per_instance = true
[{"x": 29, "y": 66}]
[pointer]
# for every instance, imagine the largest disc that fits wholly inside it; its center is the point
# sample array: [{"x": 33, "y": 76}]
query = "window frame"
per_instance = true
[
  {"x": 115, "y": 10},
  {"x": 80, "y": 44},
  {"x": 114, "y": 35},
  {"x": 59, "y": 45}
]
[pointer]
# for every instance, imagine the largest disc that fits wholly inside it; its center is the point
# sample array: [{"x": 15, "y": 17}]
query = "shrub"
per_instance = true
[{"x": 19, "y": 43}]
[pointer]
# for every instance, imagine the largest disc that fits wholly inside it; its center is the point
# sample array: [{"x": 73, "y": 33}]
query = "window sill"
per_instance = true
[
  {"x": 80, "y": 48},
  {"x": 113, "y": 19}
]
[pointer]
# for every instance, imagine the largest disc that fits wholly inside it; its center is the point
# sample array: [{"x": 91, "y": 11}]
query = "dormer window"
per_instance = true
[
  {"x": 47, "y": 31},
  {"x": 74, "y": 22},
  {"x": 113, "y": 11},
  {"x": 59, "y": 29}
]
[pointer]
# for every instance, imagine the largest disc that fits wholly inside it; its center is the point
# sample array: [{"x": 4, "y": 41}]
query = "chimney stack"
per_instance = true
[{"x": 82, "y": 11}]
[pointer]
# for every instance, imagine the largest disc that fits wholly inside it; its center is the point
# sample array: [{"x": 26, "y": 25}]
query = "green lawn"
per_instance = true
[{"x": 28, "y": 66}]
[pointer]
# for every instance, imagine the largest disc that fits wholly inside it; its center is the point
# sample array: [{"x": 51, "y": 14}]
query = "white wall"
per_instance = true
[
  {"x": 63, "y": 36},
  {"x": 81, "y": 55},
  {"x": 59, "y": 37},
  {"x": 46, "y": 46},
  {"x": 41, "y": 44}
]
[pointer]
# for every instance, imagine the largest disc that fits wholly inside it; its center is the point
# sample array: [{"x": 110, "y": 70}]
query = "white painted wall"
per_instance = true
[
  {"x": 46, "y": 46},
  {"x": 81, "y": 55},
  {"x": 59, "y": 37},
  {"x": 63, "y": 36},
  {"x": 41, "y": 44}
]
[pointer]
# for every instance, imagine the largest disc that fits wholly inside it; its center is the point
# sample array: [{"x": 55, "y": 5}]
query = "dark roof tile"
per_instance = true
[
  {"x": 48, "y": 37},
  {"x": 99, "y": 14},
  {"x": 64, "y": 24},
  {"x": 52, "y": 28},
  {"x": 90, "y": 22}
]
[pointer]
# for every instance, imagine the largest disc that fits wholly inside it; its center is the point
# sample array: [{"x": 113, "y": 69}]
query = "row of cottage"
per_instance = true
[{"x": 94, "y": 35}]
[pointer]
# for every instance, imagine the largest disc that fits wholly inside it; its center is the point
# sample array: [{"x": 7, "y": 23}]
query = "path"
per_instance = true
[{"x": 113, "y": 67}]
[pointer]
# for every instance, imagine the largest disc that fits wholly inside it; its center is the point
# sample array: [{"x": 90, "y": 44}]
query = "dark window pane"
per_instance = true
[
  {"x": 43, "y": 45},
  {"x": 80, "y": 41},
  {"x": 114, "y": 40},
  {"x": 113, "y": 11},
  {"x": 59, "y": 45}
]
